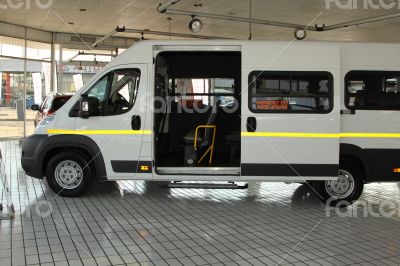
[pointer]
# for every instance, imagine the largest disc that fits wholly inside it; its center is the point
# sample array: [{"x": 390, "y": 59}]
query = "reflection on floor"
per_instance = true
[
  {"x": 10, "y": 127},
  {"x": 138, "y": 223}
]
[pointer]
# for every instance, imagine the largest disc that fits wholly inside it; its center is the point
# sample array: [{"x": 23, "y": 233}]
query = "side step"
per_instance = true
[{"x": 230, "y": 185}]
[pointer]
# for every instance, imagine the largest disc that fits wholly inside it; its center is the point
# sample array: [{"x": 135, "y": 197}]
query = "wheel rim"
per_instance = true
[
  {"x": 68, "y": 174},
  {"x": 342, "y": 187}
]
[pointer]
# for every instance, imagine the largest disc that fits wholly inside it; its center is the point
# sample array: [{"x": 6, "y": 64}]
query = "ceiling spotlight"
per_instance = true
[
  {"x": 300, "y": 34},
  {"x": 195, "y": 25}
]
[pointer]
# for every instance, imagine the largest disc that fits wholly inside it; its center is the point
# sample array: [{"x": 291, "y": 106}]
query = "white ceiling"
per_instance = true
[{"x": 102, "y": 16}]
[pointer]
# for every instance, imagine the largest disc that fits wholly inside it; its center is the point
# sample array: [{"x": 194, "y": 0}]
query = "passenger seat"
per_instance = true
[{"x": 204, "y": 139}]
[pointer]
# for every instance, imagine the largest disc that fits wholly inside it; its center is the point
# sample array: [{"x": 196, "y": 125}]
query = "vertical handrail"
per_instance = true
[{"x": 211, "y": 147}]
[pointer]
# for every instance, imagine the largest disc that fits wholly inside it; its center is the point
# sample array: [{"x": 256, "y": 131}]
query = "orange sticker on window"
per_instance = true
[{"x": 272, "y": 105}]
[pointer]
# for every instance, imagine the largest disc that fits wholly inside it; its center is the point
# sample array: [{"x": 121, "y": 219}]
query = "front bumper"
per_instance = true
[{"x": 31, "y": 155}]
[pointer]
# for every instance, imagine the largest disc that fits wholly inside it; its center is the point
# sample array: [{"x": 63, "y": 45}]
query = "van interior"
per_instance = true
[{"x": 197, "y": 112}]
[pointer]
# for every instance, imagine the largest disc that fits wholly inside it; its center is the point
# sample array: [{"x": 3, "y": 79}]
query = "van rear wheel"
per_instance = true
[
  {"x": 68, "y": 174},
  {"x": 346, "y": 189}
]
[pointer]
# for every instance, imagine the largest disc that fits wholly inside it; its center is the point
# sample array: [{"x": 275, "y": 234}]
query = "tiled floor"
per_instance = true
[{"x": 138, "y": 223}]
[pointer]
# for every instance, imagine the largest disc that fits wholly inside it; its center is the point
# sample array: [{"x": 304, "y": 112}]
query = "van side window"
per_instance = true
[
  {"x": 115, "y": 93},
  {"x": 290, "y": 92},
  {"x": 200, "y": 91},
  {"x": 372, "y": 90}
]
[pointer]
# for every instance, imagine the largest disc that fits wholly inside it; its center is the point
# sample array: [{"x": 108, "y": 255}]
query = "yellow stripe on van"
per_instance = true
[
  {"x": 99, "y": 132},
  {"x": 370, "y": 135},
  {"x": 319, "y": 135},
  {"x": 290, "y": 135}
]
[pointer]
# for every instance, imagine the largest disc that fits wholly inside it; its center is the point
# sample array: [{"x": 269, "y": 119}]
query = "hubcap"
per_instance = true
[
  {"x": 68, "y": 174},
  {"x": 342, "y": 187}
]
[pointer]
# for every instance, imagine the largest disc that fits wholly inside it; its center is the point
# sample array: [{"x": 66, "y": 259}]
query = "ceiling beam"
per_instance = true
[
  {"x": 163, "y": 7},
  {"x": 174, "y": 34},
  {"x": 152, "y": 32},
  {"x": 239, "y": 19}
]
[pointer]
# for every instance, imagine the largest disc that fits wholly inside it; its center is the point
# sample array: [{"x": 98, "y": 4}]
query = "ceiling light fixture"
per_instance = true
[
  {"x": 195, "y": 25},
  {"x": 300, "y": 34}
]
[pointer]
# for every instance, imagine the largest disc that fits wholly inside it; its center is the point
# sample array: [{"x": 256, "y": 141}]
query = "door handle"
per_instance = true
[
  {"x": 136, "y": 122},
  {"x": 251, "y": 124}
]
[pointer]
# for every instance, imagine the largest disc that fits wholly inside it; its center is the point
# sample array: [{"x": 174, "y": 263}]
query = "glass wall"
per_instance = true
[
  {"x": 17, "y": 91},
  {"x": 11, "y": 47},
  {"x": 11, "y": 89},
  {"x": 26, "y": 70},
  {"x": 71, "y": 76},
  {"x": 79, "y": 66}
]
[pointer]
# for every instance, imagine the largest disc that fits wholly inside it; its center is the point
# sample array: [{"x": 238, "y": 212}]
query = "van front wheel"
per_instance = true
[
  {"x": 68, "y": 174},
  {"x": 346, "y": 189}
]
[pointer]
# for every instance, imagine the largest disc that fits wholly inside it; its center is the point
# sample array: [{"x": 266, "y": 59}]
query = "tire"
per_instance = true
[
  {"x": 346, "y": 190},
  {"x": 68, "y": 174}
]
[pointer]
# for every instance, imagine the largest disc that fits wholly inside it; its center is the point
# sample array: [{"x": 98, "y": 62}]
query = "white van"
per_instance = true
[{"x": 325, "y": 113}]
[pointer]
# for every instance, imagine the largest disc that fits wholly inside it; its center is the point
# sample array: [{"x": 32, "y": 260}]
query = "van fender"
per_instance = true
[
  {"x": 359, "y": 153},
  {"x": 81, "y": 142},
  {"x": 37, "y": 150}
]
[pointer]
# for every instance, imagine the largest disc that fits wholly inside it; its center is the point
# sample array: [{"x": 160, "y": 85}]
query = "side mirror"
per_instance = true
[
  {"x": 35, "y": 107},
  {"x": 84, "y": 106}
]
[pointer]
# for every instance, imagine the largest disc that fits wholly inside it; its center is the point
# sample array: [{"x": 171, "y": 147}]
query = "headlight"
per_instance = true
[{"x": 45, "y": 121}]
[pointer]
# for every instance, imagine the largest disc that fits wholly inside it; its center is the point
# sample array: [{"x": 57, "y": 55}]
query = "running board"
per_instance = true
[
  {"x": 230, "y": 185},
  {"x": 230, "y": 171}
]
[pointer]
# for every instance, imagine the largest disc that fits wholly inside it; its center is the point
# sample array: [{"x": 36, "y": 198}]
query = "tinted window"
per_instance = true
[
  {"x": 372, "y": 90},
  {"x": 291, "y": 92}
]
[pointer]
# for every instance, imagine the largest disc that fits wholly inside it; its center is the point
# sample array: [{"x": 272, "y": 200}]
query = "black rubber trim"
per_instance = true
[
  {"x": 37, "y": 148},
  {"x": 357, "y": 152},
  {"x": 30, "y": 155},
  {"x": 377, "y": 164},
  {"x": 383, "y": 162},
  {"x": 318, "y": 170},
  {"x": 132, "y": 166}
]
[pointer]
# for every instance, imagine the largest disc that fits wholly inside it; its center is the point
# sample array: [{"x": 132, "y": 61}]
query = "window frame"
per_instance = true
[
  {"x": 347, "y": 94},
  {"x": 74, "y": 112},
  {"x": 291, "y": 73}
]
